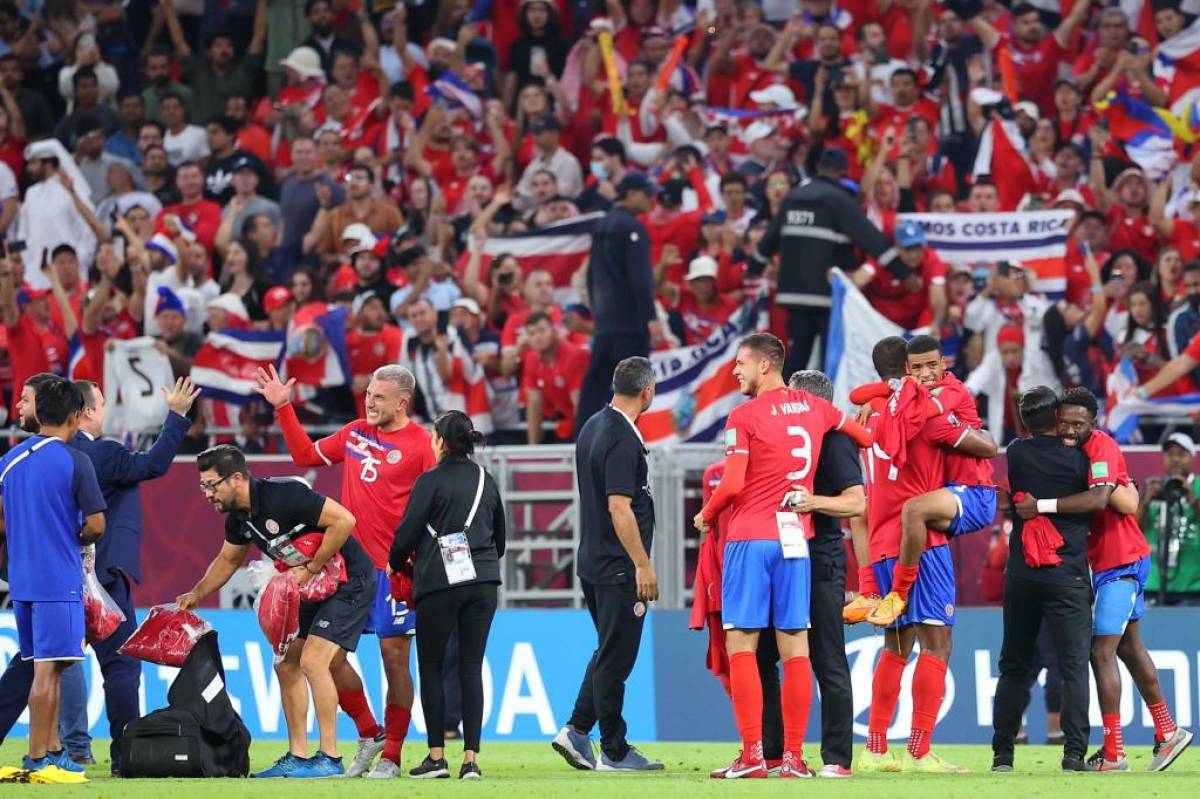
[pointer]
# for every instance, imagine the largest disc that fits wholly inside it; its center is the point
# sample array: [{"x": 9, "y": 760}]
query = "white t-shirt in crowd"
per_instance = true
[{"x": 189, "y": 144}]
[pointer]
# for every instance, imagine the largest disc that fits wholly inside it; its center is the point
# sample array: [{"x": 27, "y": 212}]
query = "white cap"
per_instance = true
[
  {"x": 440, "y": 43},
  {"x": 759, "y": 130},
  {"x": 1069, "y": 196},
  {"x": 1030, "y": 109},
  {"x": 777, "y": 94},
  {"x": 703, "y": 266},
  {"x": 364, "y": 245},
  {"x": 468, "y": 304},
  {"x": 231, "y": 304},
  {"x": 306, "y": 61},
  {"x": 357, "y": 232},
  {"x": 1182, "y": 440}
]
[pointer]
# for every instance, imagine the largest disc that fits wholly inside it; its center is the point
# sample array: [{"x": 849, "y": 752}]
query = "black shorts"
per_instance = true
[{"x": 340, "y": 618}]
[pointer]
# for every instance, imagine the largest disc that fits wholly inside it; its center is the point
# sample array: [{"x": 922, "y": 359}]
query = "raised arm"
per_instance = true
[
  {"x": 1066, "y": 29},
  {"x": 304, "y": 451},
  {"x": 175, "y": 30},
  {"x": 126, "y": 467}
]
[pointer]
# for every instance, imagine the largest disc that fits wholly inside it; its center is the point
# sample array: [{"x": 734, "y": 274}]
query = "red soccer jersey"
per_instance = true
[
  {"x": 909, "y": 309},
  {"x": 888, "y": 488},
  {"x": 1115, "y": 539},
  {"x": 781, "y": 432},
  {"x": 1036, "y": 68},
  {"x": 1135, "y": 233},
  {"x": 369, "y": 351},
  {"x": 379, "y": 472},
  {"x": 557, "y": 380},
  {"x": 959, "y": 413}
]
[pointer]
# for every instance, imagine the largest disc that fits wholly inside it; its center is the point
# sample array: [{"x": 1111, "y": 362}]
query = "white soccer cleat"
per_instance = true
[
  {"x": 384, "y": 770},
  {"x": 368, "y": 750}
]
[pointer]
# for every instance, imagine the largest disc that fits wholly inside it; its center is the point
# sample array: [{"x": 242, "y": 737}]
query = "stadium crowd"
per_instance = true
[{"x": 255, "y": 165}]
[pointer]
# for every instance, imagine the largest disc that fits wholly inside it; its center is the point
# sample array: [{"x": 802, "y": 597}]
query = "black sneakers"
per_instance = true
[
  {"x": 470, "y": 771},
  {"x": 431, "y": 769},
  {"x": 1074, "y": 764}
]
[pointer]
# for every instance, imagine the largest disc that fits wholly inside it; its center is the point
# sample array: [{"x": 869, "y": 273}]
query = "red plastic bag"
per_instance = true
[
  {"x": 101, "y": 615},
  {"x": 278, "y": 607},
  {"x": 166, "y": 636},
  {"x": 324, "y": 583}
]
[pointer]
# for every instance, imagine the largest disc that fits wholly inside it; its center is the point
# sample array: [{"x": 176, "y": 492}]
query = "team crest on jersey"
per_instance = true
[
  {"x": 393, "y": 457},
  {"x": 639, "y": 609},
  {"x": 272, "y": 526},
  {"x": 949, "y": 609},
  {"x": 379, "y": 348}
]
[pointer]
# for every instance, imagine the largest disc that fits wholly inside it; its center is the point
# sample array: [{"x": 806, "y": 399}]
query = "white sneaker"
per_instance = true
[
  {"x": 384, "y": 770},
  {"x": 368, "y": 750}
]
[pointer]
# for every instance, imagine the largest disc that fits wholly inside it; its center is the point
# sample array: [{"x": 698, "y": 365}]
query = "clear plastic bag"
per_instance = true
[
  {"x": 101, "y": 615},
  {"x": 166, "y": 636}
]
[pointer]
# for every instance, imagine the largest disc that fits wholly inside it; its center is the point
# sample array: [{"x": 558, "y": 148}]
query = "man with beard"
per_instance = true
[
  {"x": 218, "y": 76},
  {"x": 35, "y": 111},
  {"x": 323, "y": 39},
  {"x": 329, "y": 629},
  {"x": 384, "y": 453},
  {"x": 157, "y": 73},
  {"x": 123, "y": 143},
  {"x": 372, "y": 343}
]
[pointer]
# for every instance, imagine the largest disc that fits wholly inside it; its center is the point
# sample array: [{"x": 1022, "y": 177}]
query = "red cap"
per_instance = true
[
  {"x": 276, "y": 298},
  {"x": 1010, "y": 334}
]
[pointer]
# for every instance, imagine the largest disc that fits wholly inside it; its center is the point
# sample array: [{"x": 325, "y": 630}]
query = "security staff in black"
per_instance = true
[
  {"x": 817, "y": 229},
  {"x": 455, "y": 524},
  {"x": 620, "y": 285},
  {"x": 272, "y": 514},
  {"x": 616, "y": 528},
  {"x": 1055, "y": 476}
]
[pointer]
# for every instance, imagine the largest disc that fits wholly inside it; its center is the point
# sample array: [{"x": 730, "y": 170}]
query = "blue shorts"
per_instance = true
[
  {"x": 760, "y": 588},
  {"x": 1120, "y": 596},
  {"x": 976, "y": 508},
  {"x": 50, "y": 630},
  {"x": 389, "y": 618},
  {"x": 931, "y": 599}
]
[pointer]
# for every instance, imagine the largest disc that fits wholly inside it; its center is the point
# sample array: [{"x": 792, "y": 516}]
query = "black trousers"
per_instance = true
[
  {"x": 827, "y": 652},
  {"x": 602, "y": 692},
  {"x": 1028, "y": 604},
  {"x": 805, "y": 325},
  {"x": 608, "y": 350},
  {"x": 467, "y": 610}
]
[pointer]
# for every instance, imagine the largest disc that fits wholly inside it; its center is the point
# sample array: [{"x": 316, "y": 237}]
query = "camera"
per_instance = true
[
  {"x": 505, "y": 278},
  {"x": 1174, "y": 489}
]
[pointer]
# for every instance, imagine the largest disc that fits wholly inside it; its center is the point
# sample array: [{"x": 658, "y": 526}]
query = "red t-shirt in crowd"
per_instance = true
[
  {"x": 515, "y": 323},
  {"x": 909, "y": 309},
  {"x": 369, "y": 351},
  {"x": 91, "y": 366},
  {"x": 1185, "y": 237},
  {"x": 556, "y": 379},
  {"x": 1115, "y": 538},
  {"x": 1126, "y": 232},
  {"x": 33, "y": 348},
  {"x": 202, "y": 217},
  {"x": 700, "y": 323},
  {"x": 1036, "y": 68},
  {"x": 895, "y": 118}
]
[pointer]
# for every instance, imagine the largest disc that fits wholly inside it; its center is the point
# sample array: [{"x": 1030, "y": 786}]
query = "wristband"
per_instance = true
[{"x": 1047, "y": 506}]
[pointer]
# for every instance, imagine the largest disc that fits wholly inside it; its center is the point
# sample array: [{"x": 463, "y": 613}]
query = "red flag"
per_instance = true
[{"x": 1002, "y": 156}]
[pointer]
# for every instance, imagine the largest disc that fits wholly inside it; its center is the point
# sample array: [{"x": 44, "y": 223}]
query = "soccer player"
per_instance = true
[
  {"x": 967, "y": 502},
  {"x": 49, "y": 488},
  {"x": 384, "y": 454},
  {"x": 271, "y": 514},
  {"x": 772, "y": 444},
  {"x": 917, "y": 468},
  {"x": 1120, "y": 560}
]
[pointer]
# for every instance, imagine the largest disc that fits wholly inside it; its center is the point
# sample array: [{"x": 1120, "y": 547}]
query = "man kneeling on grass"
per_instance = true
[{"x": 271, "y": 513}]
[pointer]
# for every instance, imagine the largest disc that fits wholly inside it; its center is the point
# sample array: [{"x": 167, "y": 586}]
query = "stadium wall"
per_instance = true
[{"x": 535, "y": 659}]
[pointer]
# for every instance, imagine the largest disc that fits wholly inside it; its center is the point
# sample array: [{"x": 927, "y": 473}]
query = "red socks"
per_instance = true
[
  {"x": 866, "y": 582},
  {"x": 395, "y": 726},
  {"x": 885, "y": 692},
  {"x": 796, "y": 700},
  {"x": 746, "y": 692},
  {"x": 903, "y": 578},
  {"x": 1164, "y": 725},
  {"x": 356, "y": 707},
  {"x": 928, "y": 689},
  {"x": 1114, "y": 741}
]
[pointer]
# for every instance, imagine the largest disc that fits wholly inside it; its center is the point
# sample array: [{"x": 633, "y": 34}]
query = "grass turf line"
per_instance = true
[{"x": 535, "y": 770}]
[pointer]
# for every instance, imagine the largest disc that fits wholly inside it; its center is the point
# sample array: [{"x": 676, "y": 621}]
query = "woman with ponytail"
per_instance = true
[{"x": 454, "y": 526}]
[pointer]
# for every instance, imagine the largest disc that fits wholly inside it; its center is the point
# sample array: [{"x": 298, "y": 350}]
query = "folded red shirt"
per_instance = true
[
  {"x": 1040, "y": 540},
  {"x": 166, "y": 636}
]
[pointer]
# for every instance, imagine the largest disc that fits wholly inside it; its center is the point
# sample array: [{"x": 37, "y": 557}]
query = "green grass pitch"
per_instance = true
[{"x": 534, "y": 770}]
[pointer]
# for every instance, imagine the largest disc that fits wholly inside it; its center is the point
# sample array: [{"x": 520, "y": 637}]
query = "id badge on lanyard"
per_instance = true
[
  {"x": 456, "y": 547},
  {"x": 792, "y": 535}
]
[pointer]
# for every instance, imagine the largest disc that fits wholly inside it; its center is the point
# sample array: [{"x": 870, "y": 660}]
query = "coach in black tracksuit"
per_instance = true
[
  {"x": 1059, "y": 596},
  {"x": 817, "y": 229}
]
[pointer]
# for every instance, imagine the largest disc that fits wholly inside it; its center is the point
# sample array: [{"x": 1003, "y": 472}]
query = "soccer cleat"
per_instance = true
[
  {"x": 1002, "y": 768},
  {"x": 1097, "y": 762},
  {"x": 1071, "y": 763},
  {"x": 859, "y": 608},
  {"x": 431, "y": 769},
  {"x": 633, "y": 761},
  {"x": 1166, "y": 751},
  {"x": 51, "y": 774},
  {"x": 283, "y": 767},
  {"x": 930, "y": 764},
  {"x": 890, "y": 608},
  {"x": 575, "y": 748},
  {"x": 385, "y": 770},
  {"x": 470, "y": 771},
  {"x": 748, "y": 768},
  {"x": 64, "y": 761},
  {"x": 876, "y": 762},
  {"x": 319, "y": 766},
  {"x": 13, "y": 774},
  {"x": 368, "y": 750},
  {"x": 794, "y": 767},
  {"x": 773, "y": 765},
  {"x": 832, "y": 771}
]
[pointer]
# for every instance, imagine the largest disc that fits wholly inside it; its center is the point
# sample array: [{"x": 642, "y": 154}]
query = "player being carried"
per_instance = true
[
  {"x": 772, "y": 443},
  {"x": 384, "y": 455},
  {"x": 964, "y": 504},
  {"x": 916, "y": 467},
  {"x": 1120, "y": 560}
]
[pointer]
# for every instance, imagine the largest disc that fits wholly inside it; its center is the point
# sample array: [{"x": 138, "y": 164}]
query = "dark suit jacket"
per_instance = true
[{"x": 119, "y": 471}]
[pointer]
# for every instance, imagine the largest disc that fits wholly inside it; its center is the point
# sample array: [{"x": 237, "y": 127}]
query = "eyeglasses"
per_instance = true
[{"x": 209, "y": 488}]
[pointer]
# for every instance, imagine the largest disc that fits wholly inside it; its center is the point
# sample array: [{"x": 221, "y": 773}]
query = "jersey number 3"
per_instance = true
[{"x": 801, "y": 452}]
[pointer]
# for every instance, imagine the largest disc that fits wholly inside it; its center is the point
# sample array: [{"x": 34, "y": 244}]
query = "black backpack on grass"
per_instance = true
[{"x": 198, "y": 734}]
